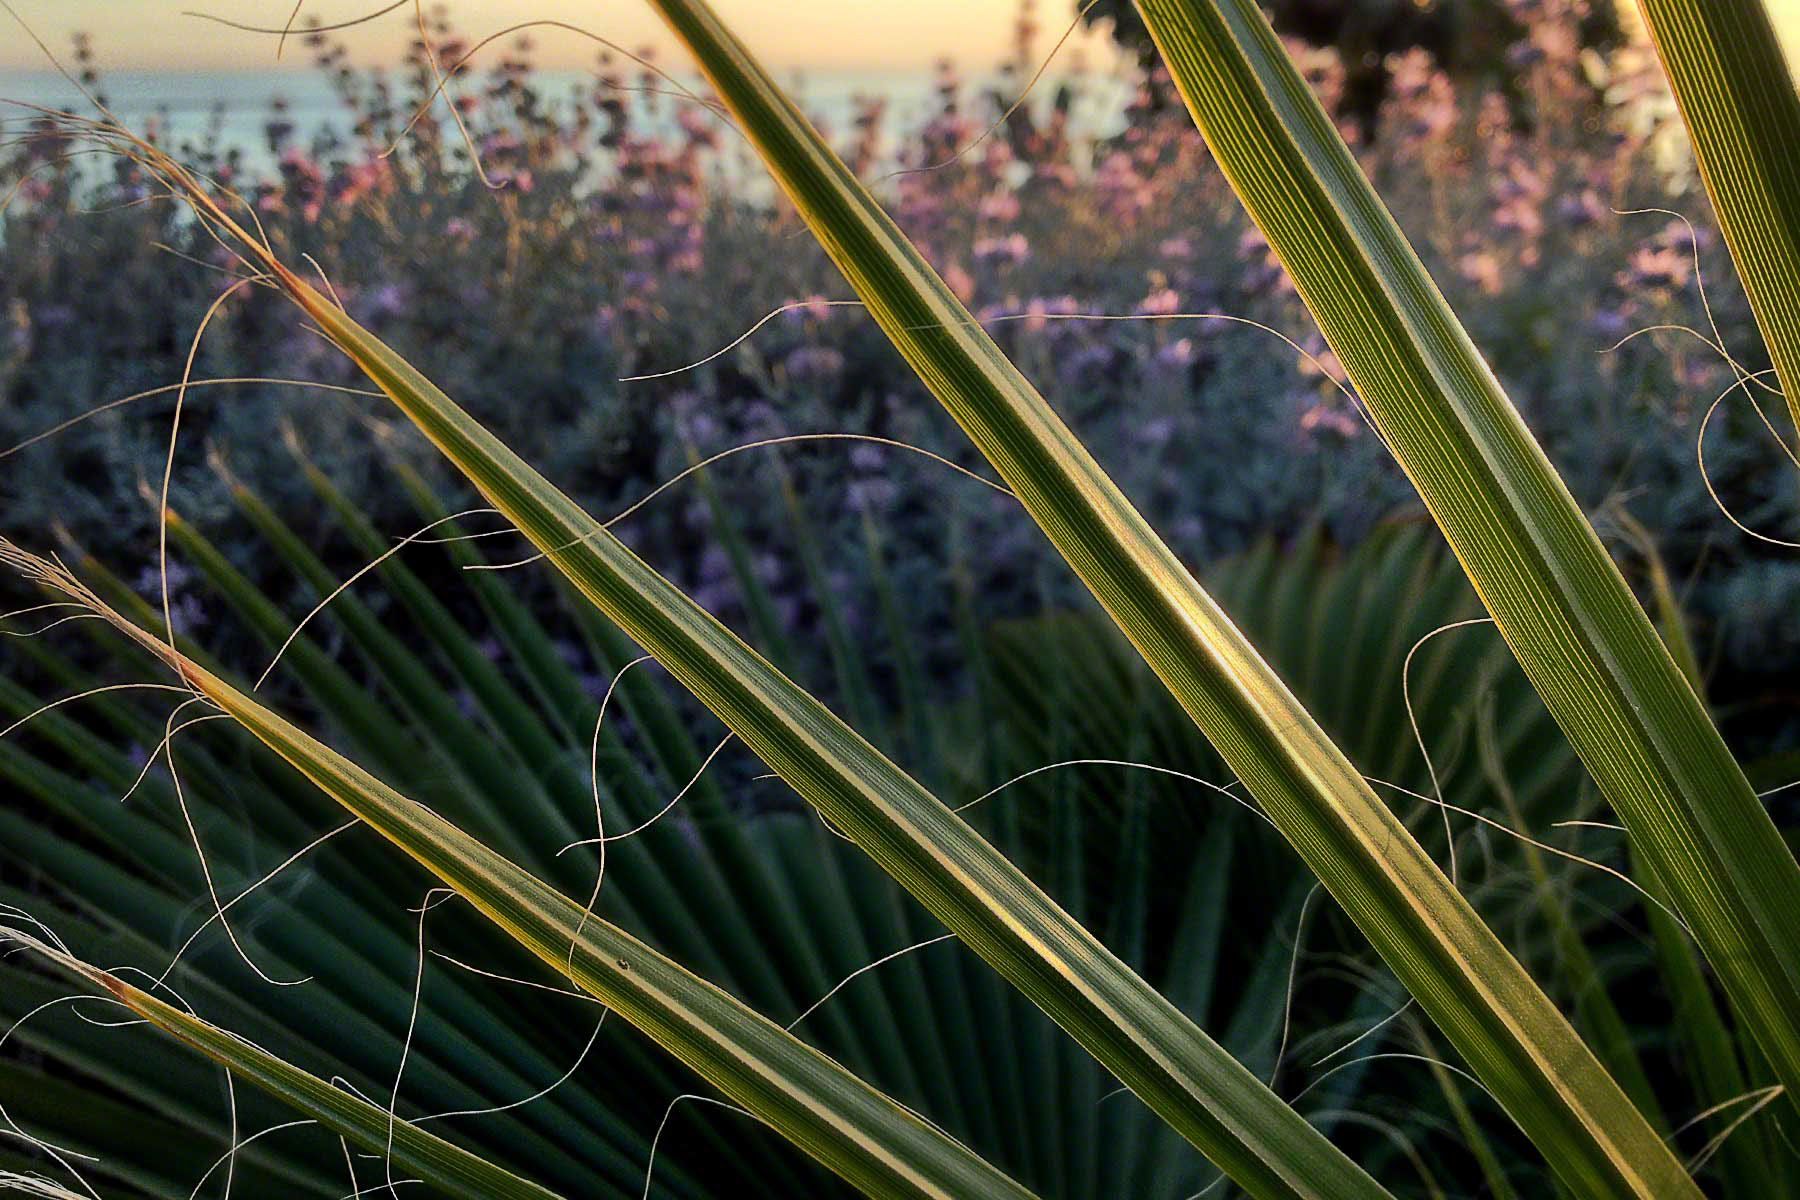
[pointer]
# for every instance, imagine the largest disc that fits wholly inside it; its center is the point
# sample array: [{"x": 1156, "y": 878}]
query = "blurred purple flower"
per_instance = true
[
  {"x": 871, "y": 496},
  {"x": 383, "y": 302},
  {"x": 960, "y": 282},
  {"x": 812, "y": 308},
  {"x": 814, "y": 364},
  {"x": 1611, "y": 323},
  {"x": 1581, "y": 208},
  {"x": 694, "y": 418},
  {"x": 1161, "y": 302},
  {"x": 1001, "y": 206},
  {"x": 1154, "y": 432},
  {"x": 1177, "y": 354},
  {"x": 1482, "y": 268},
  {"x": 1006, "y": 251},
  {"x": 1327, "y": 417},
  {"x": 715, "y": 563}
]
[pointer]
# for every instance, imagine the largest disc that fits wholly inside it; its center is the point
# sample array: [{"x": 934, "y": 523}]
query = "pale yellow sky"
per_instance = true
[
  {"x": 819, "y": 33},
  {"x": 133, "y": 34}
]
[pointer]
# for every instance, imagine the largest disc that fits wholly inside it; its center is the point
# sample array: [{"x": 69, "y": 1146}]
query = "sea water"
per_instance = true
[{"x": 184, "y": 106}]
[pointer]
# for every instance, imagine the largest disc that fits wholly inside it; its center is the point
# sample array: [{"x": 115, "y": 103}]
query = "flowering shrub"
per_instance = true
[{"x": 613, "y": 233}]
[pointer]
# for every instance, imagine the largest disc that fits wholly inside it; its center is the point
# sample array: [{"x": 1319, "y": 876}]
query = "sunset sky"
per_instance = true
[
  {"x": 135, "y": 34},
  {"x": 820, "y": 33},
  {"x": 817, "y": 33}
]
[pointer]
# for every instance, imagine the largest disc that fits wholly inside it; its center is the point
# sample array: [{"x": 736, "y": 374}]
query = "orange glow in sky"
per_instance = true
[{"x": 154, "y": 34}]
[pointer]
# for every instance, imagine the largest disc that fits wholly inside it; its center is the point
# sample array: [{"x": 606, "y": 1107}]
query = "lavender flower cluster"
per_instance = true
[{"x": 538, "y": 246}]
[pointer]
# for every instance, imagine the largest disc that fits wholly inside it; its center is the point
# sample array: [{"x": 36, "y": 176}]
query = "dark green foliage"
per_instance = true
[{"x": 737, "y": 882}]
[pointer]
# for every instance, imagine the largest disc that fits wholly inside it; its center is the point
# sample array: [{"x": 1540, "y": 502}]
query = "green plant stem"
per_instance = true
[
  {"x": 1554, "y": 592},
  {"x": 1736, "y": 92},
  {"x": 1515, "y": 1039}
]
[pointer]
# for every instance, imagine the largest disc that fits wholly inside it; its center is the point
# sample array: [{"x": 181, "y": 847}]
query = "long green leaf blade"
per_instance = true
[
  {"x": 1736, "y": 92},
  {"x": 870, "y": 1140},
  {"x": 996, "y": 911},
  {"x": 1534, "y": 559},
  {"x": 416, "y": 1154},
  {"x": 1514, "y": 1037},
  {"x": 1146, "y": 1041}
]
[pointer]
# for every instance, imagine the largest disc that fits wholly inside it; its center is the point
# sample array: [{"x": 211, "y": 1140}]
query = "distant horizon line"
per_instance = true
[{"x": 297, "y": 68}]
